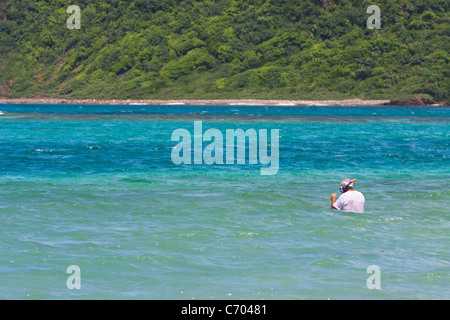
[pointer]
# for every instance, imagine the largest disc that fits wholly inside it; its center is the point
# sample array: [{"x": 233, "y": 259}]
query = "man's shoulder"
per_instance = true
[
  {"x": 355, "y": 193},
  {"x": 360, "y": 196}
]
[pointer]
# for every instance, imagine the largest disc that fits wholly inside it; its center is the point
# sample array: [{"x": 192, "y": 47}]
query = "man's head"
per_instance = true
[{"x": 346, "y": 185}]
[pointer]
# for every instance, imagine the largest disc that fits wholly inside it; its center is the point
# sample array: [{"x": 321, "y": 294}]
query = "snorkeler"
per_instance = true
[{"x": 350, "y": 199}]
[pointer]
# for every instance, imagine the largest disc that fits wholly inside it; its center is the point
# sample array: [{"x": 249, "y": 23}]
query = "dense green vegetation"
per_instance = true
[{"x": 281, "y": 49}]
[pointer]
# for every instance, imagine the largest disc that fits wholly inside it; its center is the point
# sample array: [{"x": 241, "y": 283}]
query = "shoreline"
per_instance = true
[{"x": 217, "y": 102}]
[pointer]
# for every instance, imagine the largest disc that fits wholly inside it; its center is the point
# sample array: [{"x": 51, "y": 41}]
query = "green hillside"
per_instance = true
[{"x": 169, "y": 49}]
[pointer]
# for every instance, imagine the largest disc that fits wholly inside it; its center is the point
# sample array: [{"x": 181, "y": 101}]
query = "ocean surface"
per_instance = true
[{"x": 95, "y": 187}]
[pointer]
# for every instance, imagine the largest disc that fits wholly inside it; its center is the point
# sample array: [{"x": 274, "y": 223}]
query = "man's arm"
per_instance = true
[{"x": 333, "y": 200}]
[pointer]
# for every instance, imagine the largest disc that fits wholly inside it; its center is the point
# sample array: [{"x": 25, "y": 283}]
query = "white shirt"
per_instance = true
[{"x": 350, "y": 201}]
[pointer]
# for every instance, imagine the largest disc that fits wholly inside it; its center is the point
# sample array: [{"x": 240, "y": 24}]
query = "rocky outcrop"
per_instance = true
[{"x": 416, "y": 101}]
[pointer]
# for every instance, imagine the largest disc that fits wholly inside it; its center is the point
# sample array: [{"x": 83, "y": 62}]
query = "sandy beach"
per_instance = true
[
  {"x": 417, "y": 101},
  {"x": 243, "y": 102}
]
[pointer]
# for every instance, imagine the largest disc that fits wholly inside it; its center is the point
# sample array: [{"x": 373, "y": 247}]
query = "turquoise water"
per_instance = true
[{"x": 94, "y": 186}]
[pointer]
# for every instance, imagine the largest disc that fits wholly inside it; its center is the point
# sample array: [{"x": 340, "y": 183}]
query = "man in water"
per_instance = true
[{"x": 350, "y": 199}]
